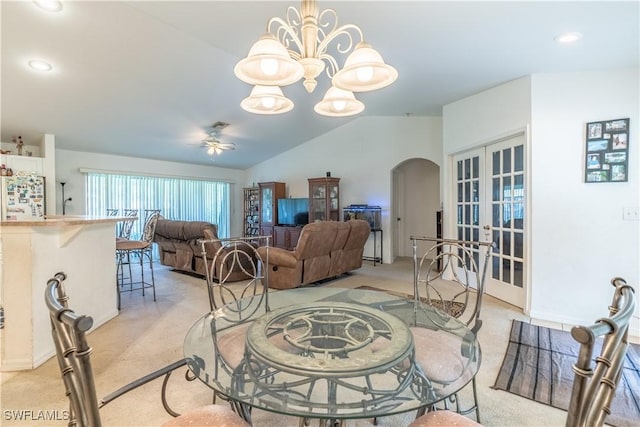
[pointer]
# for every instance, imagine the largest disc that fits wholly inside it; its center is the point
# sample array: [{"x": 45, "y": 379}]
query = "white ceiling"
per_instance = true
[{"x": 147, "y": 79}]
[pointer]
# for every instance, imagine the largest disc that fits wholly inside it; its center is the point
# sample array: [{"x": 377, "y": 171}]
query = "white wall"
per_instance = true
[
  {"x": 68, "y": 164},
  {"x": 580, "y": 240},
  {"x": 362, "y": 154}
]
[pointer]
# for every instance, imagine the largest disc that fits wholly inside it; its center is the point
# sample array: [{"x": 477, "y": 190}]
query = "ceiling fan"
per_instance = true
[{"x": 213, "y": 144}]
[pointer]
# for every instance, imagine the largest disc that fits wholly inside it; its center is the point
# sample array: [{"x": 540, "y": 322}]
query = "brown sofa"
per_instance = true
[
  {"x": 179, "y": 247},
  {"x": 325, "y": 249}
]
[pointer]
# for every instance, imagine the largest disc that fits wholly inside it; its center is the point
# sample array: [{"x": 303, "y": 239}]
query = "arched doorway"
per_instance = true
[{"x": 415, "y": 201}]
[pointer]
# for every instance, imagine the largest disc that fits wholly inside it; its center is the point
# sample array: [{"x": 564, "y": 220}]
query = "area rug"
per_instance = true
[
  {"x": 537, "y": 365},
  {"x": 453, "y": 308}
]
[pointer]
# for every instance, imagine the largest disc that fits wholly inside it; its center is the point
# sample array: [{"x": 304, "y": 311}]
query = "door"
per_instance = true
[{"x": 490, "y": 202}]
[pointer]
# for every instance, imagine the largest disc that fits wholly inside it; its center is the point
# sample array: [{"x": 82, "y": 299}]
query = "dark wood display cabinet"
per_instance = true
[
  {"x": 270, "y": 192},
  {"x": 324, "y": 199},
  {"x": 286, "y": 237}
]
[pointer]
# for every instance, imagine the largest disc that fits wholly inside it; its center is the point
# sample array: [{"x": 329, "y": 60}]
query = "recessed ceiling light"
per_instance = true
[
  {"x": 40, "y": 65},
  {"x": 568, "y": 37},
  {"x": 49, "y": 5}
]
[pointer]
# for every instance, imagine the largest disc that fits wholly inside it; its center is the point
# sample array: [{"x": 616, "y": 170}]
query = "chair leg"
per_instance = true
[
  {"x": 141, "y": 259},
  {"x": 153, "y": 280},
  {"x": 475, "y": 400},
  {"x": 475, "y": 408}
]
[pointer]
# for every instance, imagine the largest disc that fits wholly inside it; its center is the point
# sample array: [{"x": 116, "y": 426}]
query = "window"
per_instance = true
[{"x": 177, "y": 198}]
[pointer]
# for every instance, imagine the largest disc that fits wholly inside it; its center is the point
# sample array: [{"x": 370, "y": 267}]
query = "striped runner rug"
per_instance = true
[{"x": 537, "y": 365}]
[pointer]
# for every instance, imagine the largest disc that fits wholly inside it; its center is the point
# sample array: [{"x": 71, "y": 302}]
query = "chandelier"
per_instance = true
[{"x": 297, "y": 47}]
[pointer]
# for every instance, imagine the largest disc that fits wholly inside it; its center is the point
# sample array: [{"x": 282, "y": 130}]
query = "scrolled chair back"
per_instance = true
[
  {"x": 460, "y": 263},
  {"x": 594, "y": 386},
  {"x": 149, "y": 229},
  {"x": 231, "y": 255},
  {"x": 127, "y": 225},
  {"x": 73, "y": 354}
]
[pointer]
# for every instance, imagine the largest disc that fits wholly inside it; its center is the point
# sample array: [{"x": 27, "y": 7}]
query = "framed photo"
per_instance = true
[{"x": 607, "y": 151}]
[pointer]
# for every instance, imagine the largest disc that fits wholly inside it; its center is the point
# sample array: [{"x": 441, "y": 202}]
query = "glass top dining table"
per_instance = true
[{"x": 329, "y": 353}]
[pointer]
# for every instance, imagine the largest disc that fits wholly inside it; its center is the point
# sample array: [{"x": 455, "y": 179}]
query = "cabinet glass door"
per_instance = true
[
  {"x": 318, "y": 202},
  {"x": 267, "y": 205},
  {"x": 333, "y": 201}
]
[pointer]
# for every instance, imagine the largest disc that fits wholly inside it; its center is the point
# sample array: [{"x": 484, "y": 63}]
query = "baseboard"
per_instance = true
[
  {"x": 16, "y": 365},
  {"x": 566, "y": 322}
]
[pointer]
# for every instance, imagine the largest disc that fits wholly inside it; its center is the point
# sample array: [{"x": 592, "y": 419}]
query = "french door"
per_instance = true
[{"x": 490, "y": 207}]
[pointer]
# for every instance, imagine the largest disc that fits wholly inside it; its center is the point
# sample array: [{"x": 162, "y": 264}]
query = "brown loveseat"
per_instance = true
[
  {"x": 325, "y": 249},
  {"x": 179, "y": 247}
]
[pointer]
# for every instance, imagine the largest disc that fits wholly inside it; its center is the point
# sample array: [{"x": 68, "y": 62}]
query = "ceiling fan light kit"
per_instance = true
[
  {"x": 213, "y": 144},
  {"x": 297, "y": 47}
]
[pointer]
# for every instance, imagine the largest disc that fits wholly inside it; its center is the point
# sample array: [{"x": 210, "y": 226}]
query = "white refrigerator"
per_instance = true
[{"x": 22, "y": 197}]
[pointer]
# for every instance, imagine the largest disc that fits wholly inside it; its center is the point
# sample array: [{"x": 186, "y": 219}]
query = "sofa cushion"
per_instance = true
[
  {"x": 316, "y": 239},
  {"x": 182, "y": 230}
]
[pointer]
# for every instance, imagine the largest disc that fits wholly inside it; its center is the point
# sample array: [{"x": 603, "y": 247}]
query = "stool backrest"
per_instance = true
[
  {"x": 151, "y": 219},
  {"x": 127, "y": 225}
]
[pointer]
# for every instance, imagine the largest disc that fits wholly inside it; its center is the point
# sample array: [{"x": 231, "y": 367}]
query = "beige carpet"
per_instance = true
[{"x": 147, "y": 335}]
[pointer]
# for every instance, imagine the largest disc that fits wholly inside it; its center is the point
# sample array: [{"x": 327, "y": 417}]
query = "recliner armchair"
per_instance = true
[
  {"x": 325, "y": 249},
  {"x": 179, "y": 246}
]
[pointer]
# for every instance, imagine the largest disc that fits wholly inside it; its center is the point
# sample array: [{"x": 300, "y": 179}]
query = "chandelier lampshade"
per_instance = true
[
  {"x": 268, "y": 64},
  {"x": 303, "y": 44},
  {"x": 365, "y": 70},
  {"x": 338, "y": 103},
  {"x": 266, "y": 100}
]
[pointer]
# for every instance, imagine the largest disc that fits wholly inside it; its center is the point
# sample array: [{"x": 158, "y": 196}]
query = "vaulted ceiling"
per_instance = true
[{"x": 148, "y": 79}]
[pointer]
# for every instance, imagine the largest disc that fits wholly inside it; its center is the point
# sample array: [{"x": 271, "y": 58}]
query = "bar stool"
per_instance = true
[
  {"x": 141, "y": 248},
  {"x": 124, "y": 233}
]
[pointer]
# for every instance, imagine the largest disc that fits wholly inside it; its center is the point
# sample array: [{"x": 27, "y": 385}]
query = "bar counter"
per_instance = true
[
  {"x": 59, "y": 220},
  {"x": 31, "y": 252}
]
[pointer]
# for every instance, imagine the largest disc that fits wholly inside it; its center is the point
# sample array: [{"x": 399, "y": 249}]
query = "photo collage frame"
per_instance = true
[{"x": 607, "y": 151}]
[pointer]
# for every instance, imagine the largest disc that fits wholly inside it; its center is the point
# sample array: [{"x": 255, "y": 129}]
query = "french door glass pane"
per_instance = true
[
  {"x": 495, "y": 158},
  {"x": 506, "y": 160},
  {"x": 518, "y": 158}
]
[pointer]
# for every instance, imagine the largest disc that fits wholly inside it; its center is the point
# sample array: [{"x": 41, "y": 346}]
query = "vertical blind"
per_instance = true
[{"x": 177, "y": 198}]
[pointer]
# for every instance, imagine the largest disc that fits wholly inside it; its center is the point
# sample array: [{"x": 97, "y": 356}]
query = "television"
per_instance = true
[{"x": 293, "y": 212}]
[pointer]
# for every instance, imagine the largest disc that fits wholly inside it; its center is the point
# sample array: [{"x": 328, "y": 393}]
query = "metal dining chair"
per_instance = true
[
  {"x": 450, "y": 276},
  {"x": 73, "y": 352},
  {"x": 244, "y": 301},
  {"x": 594, "y": 384}
]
